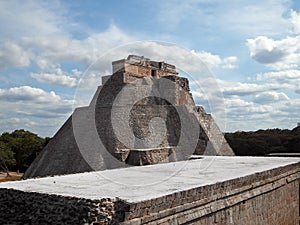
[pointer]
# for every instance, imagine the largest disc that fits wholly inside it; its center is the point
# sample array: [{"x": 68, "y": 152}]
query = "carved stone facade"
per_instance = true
[{"x": 143, "y": 67}]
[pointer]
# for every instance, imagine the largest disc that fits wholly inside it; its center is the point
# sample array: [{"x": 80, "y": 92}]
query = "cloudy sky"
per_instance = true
[{"x": 251, "y": 47}]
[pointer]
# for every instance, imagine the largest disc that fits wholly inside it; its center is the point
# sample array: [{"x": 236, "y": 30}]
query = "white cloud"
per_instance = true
[
  {"x": 237, "y": 102},
  {"x": 270, "y": 97},
  {"x": 290, "y": 76},
  {"x": 77, "y": 73},
  {"x": 58, "y": 78},
  {"x": 39, "y": 34},
  {"x": 229, "y": 62},
  {"x": 286, "y": 79},
  {"x": 266, "y": 108},
  {"x": 110, "y": 38},
  {"x": 13, "y": 55},
  {"x": 256, "y": 17},
  {"x": 34, "y": 109},
  {"x": 31, "y": 18},
  {"x": 244, "y": 89},
  {"x": 239, "y": 17},
  {"x": 27, "y": 93},
  {"x": 52, "y": 51},
  {"x": 43, "y": 64},
  {"x": 213, "y": 61},
  {"x": 295, "y": 20},
  {"x": 281, "y": 54},
  {"x": 208, "y": 58},
  {"x": 252, "y": 106},
  {"x": 182, "y": 58},
  {"x": 15, "y": 122}
]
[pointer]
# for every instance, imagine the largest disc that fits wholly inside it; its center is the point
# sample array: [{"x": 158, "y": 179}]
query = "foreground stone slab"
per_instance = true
[{"x": 209, "y": 190}]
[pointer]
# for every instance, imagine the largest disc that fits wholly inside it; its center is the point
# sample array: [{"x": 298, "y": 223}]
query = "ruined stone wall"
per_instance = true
[
  {"x": 279, "y": 206},
  {"x": 26, "y": 208},
  {"x": 143, "y": 111},
  {"x": 270, "y": 197},
  {"x": 216, "y": 143},
  {"x": 143, "y": 67},
  {"x": 61, "y": 148},
  {"x": 146, "y": 71},
  {"x": 151, "y": 90}
]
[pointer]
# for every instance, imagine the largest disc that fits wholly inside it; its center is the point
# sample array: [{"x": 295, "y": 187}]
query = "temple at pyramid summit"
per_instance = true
[{"x": 142, "y": 114}]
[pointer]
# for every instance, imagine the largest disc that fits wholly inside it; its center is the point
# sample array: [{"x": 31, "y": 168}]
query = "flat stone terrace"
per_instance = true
[{"x": 155, "y": 193}]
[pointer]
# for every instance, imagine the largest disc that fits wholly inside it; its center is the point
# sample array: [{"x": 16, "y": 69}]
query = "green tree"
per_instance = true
[
  {"x": 25, "y": 146},
  {"x": 263, "y": 142},
  {"x": 6, "y": 157}
]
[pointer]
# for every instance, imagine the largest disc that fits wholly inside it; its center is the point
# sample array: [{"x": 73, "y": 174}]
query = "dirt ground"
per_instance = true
[{"x": 13, "y": 176}]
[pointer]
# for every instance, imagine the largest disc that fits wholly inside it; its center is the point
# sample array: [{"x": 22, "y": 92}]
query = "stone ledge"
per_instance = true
[
  {"x": 188, "y": 212},
  {"x": 224, "y": 185},
  {"x": 226, "y": 194},
  {"x": 19, "y": 207}
]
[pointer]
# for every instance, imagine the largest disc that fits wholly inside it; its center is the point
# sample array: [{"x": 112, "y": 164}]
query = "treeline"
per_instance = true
[
  {"x": 263, "y": 142},
  {"x": 19, "y": 148}
]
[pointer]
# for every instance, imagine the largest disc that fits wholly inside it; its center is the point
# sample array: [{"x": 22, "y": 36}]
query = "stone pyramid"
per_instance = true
[{"x": 142, "y": 114}]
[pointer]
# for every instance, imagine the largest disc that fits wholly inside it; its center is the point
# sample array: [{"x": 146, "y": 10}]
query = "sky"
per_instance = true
[{"x": 252, "y": 49}]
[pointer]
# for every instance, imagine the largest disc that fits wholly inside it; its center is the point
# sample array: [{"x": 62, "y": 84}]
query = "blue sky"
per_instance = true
[{"x": 251, "y": 47}]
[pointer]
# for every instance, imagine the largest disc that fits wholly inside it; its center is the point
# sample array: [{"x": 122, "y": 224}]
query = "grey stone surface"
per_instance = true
[
  {"x": 136, "y": 184},
  {"x": 265, "y": 190},
  {"x": 20, "y": 208},
  {"x": 144, "y": 104}
]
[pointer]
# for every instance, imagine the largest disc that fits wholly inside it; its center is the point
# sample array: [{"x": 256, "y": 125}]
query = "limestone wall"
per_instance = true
[
  {"x": 143, "y": 67},
  {"x": 131, "y": 110},
  {"x": 266, "y": 198},
  {"x": 20, "y": 208},
  {"x": 269, "y": 197}
]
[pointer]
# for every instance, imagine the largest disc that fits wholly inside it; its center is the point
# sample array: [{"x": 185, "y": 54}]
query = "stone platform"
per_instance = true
[{"x": 209, "y": 190}]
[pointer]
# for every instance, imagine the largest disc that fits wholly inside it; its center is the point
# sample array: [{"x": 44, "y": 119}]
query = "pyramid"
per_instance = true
[{"x": 142, "y": 114}]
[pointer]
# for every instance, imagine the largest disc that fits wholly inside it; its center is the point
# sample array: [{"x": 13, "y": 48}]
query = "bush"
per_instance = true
[
  {"x": 263, "y": 142},
  {"x": 19, "y": 148}
]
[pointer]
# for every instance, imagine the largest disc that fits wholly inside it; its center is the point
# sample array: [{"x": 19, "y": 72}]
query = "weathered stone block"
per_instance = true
[{"x": 143, "y": 105}]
